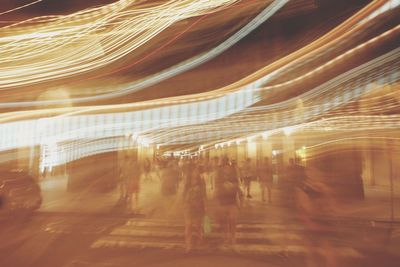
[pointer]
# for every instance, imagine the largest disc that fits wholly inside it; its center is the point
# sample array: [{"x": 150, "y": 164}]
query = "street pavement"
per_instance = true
[
  {"x": 88, "y": 229},
  {"x": 68, "y": 239}
]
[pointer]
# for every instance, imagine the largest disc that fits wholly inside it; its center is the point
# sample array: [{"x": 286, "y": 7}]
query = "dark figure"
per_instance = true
[
  {"x": 247, "y": 176},
  {"x": 315, "y": 199},
  {"x": 228, "y": 195},
  {"x": 264, "y": 173},
  {"x": 170, "y": 179},
  {"x": 123, "y": 179},
  {"x": 146, "y": 169},
  {"x": 213, "y": 171},
  {"x": 133, "y": 187},
  {"x": 194, "y": 197},
  {"x": 295, "y": 176}
]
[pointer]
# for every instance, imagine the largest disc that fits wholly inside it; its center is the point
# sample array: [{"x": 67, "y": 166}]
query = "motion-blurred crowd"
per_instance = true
[{"x": 195, "y": 180}]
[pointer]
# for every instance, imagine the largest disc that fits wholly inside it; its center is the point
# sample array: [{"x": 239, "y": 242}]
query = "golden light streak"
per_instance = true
[
  {"x": 326, "y": 40},
  {"x": 65, "y": 47},
  {"x": 20, "y": 7},
  {"x": 244, "y": 123}
]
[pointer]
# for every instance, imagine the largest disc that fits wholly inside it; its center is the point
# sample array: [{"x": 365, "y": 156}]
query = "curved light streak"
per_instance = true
[
  {"x": 113, "y": 125},
  {"x": 174, "y": 70},
  {"x": 20, "y": 7},
  {"x": 254, "y": 85},
  {"x": 49, "y": 127},
  {"x": 389, "y": 5},
  {"x": 230, "y": 99},
  {"x": 343, "y": 28},
  {"x": 83, "y": 58},
  {"x": 340, "y": 29}
]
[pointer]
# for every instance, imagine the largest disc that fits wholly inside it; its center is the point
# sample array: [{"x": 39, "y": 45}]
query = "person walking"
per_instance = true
[
  {"x": 147, "y": 169},
  {"x": 247, "y": 175},
  {"x": 214, "y": 171},
  {"x": 123, "y": 178},
  {"x": 229, "y": 199},
  {"x": 264, "y": 173},
  {"x": 294, "y": 177},
  {"x": 194, "y": 198},
  {"x": 169, "y": 204},
  {"x": 316, "y": 198},
  {"x": 170, "y": 178},
  {"x": 133, "y": 187}
]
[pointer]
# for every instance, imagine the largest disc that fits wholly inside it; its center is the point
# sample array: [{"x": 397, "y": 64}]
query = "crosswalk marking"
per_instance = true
[
  {"x": 250, "y": 226},
  {"x": 252, "y": 238},
  {"x": 126, "y": 242},
  {"x": 170, "y": 234}
]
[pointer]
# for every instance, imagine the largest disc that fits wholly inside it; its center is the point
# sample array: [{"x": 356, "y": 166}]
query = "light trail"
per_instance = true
[
  {"x": 20, "y": 7},
  {"x": 47, "y": 54},
  {"x": 113, "y": 128},
  {"x": 176, "y": 69},
  {"x": 211, "y": 96},
  {"x": 340, "y": 29},
  {"x": 231, "y": 109},
  {"x": 212, "y": 116}
]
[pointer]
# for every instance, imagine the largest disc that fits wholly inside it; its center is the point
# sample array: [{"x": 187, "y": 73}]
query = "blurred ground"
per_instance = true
[{"x": 90, "y": 229}]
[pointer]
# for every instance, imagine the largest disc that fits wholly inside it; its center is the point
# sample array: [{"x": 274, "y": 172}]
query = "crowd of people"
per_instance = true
[{"x": 221, "y": 180}]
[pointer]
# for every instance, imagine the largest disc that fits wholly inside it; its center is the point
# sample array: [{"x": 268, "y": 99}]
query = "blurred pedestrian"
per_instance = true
[
  {"x": 133, "y": 186},
  {"x": 214, "y": 164},
  {"x": 229, "y": 198},
  {"x": 123, "y": 178},
  {"x": 194, "y": 198},
  {"x": 185, "y": 168},
  {"x": 157, "y": 167},
  {"x": 294, "y": 177},
  {"x": 315, "y": 199},
  {"x": 247, "y": 175},
  {"x": 170, "y": 178},
  {"x": 147, "y": 169},
  {"x": 264, "y": 173}
]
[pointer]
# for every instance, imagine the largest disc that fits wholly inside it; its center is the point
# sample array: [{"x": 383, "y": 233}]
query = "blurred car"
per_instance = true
[{"x": 18, "y": 192}]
